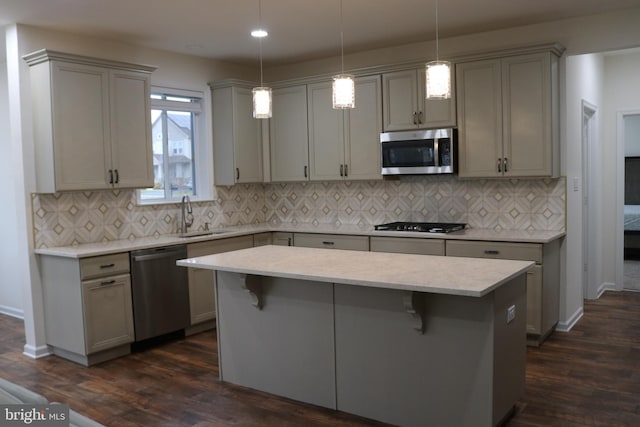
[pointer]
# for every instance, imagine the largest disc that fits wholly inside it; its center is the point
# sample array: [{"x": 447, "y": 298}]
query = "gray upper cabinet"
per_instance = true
[
  {"x": 237, "y": 136},
  {"x": 288, "y": 137},
  {"x": 92, "y": 125},
  {"x": 508, "y": 116},
  {"x": 405, "y": 106},
  {"x": 344, "y": 144}
]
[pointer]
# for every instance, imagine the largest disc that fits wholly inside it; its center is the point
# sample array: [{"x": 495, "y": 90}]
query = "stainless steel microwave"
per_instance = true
[{"x": 431, "y": 151}]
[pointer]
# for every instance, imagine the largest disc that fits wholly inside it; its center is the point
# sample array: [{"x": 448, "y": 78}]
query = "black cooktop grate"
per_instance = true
[{"x": 423, "y": 227}]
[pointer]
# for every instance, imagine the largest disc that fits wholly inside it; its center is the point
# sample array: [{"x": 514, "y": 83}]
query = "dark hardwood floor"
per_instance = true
[{"x": 587, "y": 377}]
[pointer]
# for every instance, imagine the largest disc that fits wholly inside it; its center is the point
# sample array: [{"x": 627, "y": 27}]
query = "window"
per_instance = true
[{"x": 179, "y": 150}]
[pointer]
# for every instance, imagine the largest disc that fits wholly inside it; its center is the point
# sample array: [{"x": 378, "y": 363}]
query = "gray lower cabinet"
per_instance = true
[
  {"x": 278, "y": 337},
  {"x": 465, "y": 368},
  {"x": 88, "y": 309},
  {"x": 279, "y": 238},
  {"x": 331, "y": 241},
  {"x": 543, "y": 280},
  {"x": 202, "y": 300},
  {"x": 407, "y": 245}
]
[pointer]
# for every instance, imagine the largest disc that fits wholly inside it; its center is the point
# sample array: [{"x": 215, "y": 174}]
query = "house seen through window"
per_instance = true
[{"x": 174, "y": 123}]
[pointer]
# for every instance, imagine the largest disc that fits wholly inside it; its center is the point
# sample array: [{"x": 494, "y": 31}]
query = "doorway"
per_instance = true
[{"x": 629, "y": 129}]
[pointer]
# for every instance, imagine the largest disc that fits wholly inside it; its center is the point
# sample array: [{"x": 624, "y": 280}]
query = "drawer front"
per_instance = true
[
  {"x": 105, "y": 265},
  {"x": 407, "y": 245},
  {"x": 218, "y": 246},
  {"x": 331, "y": 241},
  {"x": 497, "y": 250}
]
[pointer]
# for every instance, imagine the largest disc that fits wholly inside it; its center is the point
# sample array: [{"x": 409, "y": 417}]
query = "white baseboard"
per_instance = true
[
  {"x": 565, "y": 326},
  {"x": 11, "y": 311},
  {"x": 36, "y": 352},
  {"x": 606, "y": 286}
]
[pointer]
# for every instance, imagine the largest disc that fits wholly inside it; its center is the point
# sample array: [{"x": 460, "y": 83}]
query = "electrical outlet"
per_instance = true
[{"x": 511, "y": 313}]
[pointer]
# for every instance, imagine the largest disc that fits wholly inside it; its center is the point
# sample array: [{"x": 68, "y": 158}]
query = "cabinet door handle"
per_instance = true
[
  {"x": 289, "y": 241},
  {"x": 420, "y": 117},
  {"x": 237, "y": 174},
  {"x": 346, "y": 170},
  {"x": 341, "y": 170},
  {"x": 415, "y": 117},
  {"x": 117, "y": 176},
  {"x": 110, "y": 176},
  {"x": 328, "y": 243},
  {"x": 305, "y": 171},
  {"x": 505, "y": 164},
  {"x": 108, "y": 282},
  {"x": 499, "y": 165},
  {"x": 107, "y": 265},
  {"x": 492, "y": 252}
]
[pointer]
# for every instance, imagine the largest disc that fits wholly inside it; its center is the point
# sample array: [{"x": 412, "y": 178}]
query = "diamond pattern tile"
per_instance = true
[{"x": 92, "y": 216}]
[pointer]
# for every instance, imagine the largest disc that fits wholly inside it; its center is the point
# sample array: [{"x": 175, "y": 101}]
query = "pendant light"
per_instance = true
[
  {"x": 438, "y": 73},
  {"x": 261, "y": 94},
  {"x": 343, "y": 84}
]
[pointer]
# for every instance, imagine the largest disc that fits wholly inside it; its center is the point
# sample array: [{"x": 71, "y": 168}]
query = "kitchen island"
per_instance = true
[{"x": 404, "y": 339}]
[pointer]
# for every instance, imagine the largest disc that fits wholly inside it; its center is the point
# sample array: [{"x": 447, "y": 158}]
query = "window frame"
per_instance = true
[{"x": 202, "y": 131}]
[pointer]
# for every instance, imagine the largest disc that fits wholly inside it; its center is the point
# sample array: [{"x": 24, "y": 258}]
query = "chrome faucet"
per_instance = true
[{"x": 186, "y": 219}]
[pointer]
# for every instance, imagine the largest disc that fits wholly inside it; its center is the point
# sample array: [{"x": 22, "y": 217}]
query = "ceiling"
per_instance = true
[{"x": 298, "y": 29}]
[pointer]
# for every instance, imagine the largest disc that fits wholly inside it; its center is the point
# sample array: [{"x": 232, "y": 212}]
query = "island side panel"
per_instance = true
[
  {"x": 510, "y": 346},
  {"x": 388, "y": 371},
  {"x": 286, "y": 347}
]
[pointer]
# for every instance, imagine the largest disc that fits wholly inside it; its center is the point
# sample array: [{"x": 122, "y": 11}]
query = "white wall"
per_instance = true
[
  {"x": 622, "y": 94},
  {"x": 590, "y": 34},
  {"x": 10, "y": 290},
  {"x": 584, "y": 82},
  {"x": 632, "y": 136}
]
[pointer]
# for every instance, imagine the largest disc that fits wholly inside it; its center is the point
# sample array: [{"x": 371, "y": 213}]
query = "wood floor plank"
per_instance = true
[{"x": 587, "y": 377}]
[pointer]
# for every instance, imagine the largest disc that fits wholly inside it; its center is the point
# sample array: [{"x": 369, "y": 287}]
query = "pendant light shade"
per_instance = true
[
  {"x": 262, "y": 102},
  {"x": 438, "y": 82},
  {"x": 261, "y": 94},
  {"x": 343, "y": 84},
  {"x": 343, "y": 91},
  {"x": 438, "y": 73}
]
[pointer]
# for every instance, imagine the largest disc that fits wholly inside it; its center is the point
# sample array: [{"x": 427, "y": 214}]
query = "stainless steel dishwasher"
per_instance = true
[{"x": 160, "y": 291}]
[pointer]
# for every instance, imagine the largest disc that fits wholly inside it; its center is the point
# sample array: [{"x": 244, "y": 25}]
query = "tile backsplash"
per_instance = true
[{"x": 71, "y": 218}]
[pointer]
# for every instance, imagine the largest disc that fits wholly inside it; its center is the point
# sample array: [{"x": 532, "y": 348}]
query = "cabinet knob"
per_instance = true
[
  {"x": 492, "y": 252},
  {"x": 415, "y": 117},
  {"x": 341, "y": 170},
  {"x": 346, "y": 170},
  {"x": 237, "y": 174},
  {"x": 111, "y": 176},
  {"x": 328, "y": 243},
  {"x": 305, "y": 171},
  {"x": 505, "y": 164},
  {"x": 499, "y": 165},
  {"x": 117, "y": 176},
  {"x": 107, "y": 266}
]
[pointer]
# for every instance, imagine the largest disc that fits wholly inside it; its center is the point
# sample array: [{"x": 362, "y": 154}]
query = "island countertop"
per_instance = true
[{"x": 424, "y": 273}]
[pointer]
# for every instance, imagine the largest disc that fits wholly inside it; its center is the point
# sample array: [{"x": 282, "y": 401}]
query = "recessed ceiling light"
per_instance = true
[{"x": 259, "y": 33}]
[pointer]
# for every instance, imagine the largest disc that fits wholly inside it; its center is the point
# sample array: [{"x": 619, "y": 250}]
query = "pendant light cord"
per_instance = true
[
  {"x": 437, "y": 41},
  {"x": 341, "y": 41},
  {"x": 260, "y": 39}
]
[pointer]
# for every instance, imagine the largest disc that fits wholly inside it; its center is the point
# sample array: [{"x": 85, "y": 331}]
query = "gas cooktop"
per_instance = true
[{"x": 423, "y": 227}]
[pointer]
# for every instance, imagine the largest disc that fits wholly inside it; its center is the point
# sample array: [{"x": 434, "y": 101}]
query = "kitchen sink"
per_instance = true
[{"x": 197, "y": 233}]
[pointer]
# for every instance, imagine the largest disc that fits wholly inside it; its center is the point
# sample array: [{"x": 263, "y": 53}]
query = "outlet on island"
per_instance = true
[{"x": 511, "y": 313}]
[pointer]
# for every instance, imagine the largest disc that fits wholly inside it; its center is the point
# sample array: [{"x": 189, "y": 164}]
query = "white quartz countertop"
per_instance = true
[
  {"x": 424, "y": 273},
  {"x": 104, "y": 248}
]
